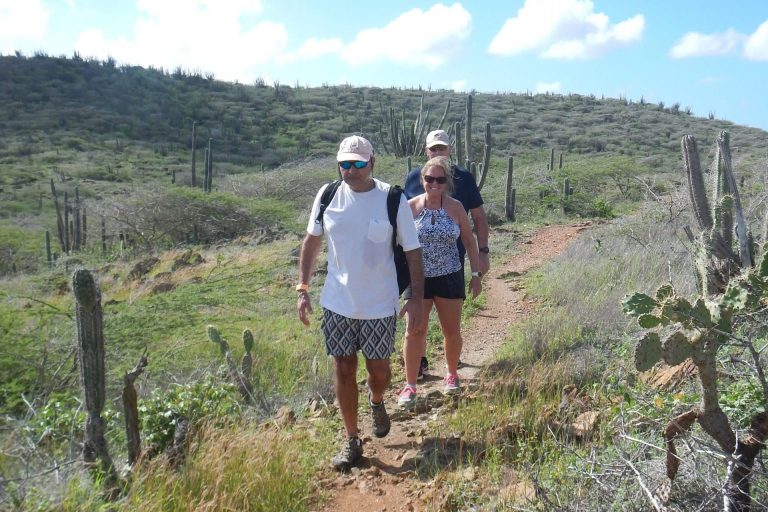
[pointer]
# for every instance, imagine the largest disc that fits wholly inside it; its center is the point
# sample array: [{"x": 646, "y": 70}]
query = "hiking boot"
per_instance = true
[
  {"x": 452, "y": 383},
  {"x": 407, "y": 396},
  {"x": 423, "y": 367},
  {"x": 380, "y": 418},
  {"x": 351, "y": 451}
]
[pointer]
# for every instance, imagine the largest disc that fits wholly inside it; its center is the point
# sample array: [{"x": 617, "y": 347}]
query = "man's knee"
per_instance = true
[
  {"x": 378, "y": 368},
  {"x": 346, "y": 366}
]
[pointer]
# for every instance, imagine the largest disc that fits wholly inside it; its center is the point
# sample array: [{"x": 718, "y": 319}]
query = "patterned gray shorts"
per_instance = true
[{"x": 345, "y": 336}]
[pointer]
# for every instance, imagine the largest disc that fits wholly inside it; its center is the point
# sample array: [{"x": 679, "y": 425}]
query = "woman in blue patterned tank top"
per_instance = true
[{"x": 440, "y": 221}]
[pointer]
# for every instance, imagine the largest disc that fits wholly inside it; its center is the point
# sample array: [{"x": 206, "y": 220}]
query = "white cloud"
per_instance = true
[
  {"x": 564, "y": 29},
  {"x": 415, "y": 38},
  {"x": 459, "y": 85},
  {"x": 756, "y": 47},
  {"x": 313, "y": 48},
  {"x": 543, "y": 87},
  {"x": 695, "y": 44},
  {"x": 202, "y": 35},
  {"x": 21, "y": 21}
]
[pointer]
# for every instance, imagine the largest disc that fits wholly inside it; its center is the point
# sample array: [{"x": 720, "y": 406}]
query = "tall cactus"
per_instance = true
[
  {"x": 76, "y": 212},
  {"x": 90, "y": 337},
  {"x": 716, "y": 262},
  {"x": 457, "y": 141},
  {"x": 59, "y": 218},
  {"x": 48, "y": 257},
  {"x": 485, "y": 165},
  {"x": 209, "y": 166},
  {"x": 67, "y": 238},
  {"x": 194, "y": 148},
  {"x": 509, "y": 199},
  {"x": 468, "y": 124}
]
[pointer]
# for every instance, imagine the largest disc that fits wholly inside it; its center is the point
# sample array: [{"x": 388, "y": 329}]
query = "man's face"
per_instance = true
[
  {"x": 438, "y": 150},
  {"x": 356, "y": 172}
]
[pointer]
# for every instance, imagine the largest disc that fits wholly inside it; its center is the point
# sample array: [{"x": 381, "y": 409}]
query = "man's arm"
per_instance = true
[
  {"x": 413, "y": 306},
  {"x": 310, "y": 248},
  {"x": 481, "y": 232}
]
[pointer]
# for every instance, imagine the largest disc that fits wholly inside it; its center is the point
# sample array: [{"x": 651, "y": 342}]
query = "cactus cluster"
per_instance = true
[
  {"x": 407, "y": 138},
  {"x": 716, "y": 260},
  {"x": 730, "y": 285},
  {"x": 478, "y": 170},
  {"x": 71, "y": 233}
]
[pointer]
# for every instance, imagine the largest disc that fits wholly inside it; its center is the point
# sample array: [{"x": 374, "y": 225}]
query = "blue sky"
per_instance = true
[{"x": 703, "y": 54}]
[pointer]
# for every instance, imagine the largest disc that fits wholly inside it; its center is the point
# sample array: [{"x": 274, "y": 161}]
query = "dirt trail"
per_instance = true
[{"x": 385, "y": 480}]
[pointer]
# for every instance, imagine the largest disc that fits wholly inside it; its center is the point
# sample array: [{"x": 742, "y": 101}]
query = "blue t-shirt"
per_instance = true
[{"x": 464, "y": 189}]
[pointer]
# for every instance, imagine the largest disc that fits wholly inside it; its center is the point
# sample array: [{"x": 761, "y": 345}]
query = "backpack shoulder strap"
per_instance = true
[
  {"x": 393, "y": 204},
  {"x": 325, "y": 199}
]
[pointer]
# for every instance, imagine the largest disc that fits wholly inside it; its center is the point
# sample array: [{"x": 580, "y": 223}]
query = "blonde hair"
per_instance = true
[{"x": 443, "y": 163}]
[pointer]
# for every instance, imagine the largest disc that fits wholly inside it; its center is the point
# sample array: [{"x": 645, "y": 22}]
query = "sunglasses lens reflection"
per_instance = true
[{"x": 359, "y": 164}]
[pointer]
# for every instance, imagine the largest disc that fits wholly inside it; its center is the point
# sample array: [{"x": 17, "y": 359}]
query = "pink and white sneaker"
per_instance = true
[
  {"x": 407, "y": 396},
  {"x": 452, "y": 384}
]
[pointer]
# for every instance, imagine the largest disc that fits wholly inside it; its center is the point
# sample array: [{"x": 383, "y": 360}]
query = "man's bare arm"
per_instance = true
[
  {"x": 310, "y": 248},
  {"x": 481, "y": 232}
]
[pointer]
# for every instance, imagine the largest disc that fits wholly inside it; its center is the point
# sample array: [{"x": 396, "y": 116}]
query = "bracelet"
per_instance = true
[
  {"x": 302, "y": 287},
  {"x": 477, "y": 274}
]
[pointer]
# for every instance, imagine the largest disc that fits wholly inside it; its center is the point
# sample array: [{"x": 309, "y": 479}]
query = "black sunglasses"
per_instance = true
[
  {"x": 359, "y": 164},
  {"x": 442, "y": 180}
]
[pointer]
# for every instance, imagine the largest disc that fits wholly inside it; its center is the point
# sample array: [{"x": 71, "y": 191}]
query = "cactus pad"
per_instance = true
[
  {"x": 677, "y": 348},
  {"x": 639, "y": 304},
  {"x": 647, "y": 352},
  {"x": 665, "y": 292},
  {"x": 214, "y": 335},
  {"x": 248, "y": 340}
]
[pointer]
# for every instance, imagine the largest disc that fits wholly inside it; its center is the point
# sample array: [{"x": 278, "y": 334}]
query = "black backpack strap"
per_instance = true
[
  {"x": 393, "y": 204},
  {"x": 325, "y": 199}
]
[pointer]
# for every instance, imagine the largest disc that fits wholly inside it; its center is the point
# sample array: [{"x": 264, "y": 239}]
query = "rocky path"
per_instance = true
[{"x": 386, "y": 480}]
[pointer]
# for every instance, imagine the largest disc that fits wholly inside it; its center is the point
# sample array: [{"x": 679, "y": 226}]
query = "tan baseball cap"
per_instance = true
[
  {"x": 354, "y": 147},
  {"x": 438, "y": 138}
]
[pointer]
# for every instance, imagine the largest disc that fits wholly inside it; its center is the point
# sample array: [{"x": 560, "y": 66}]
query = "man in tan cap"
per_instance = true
[
  {"x": 438, "y": 143},
  {"x": 360, "y": 297}
]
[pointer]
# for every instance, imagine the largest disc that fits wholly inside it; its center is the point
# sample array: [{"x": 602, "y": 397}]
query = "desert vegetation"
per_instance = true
[{"x": 183, "y": 267}]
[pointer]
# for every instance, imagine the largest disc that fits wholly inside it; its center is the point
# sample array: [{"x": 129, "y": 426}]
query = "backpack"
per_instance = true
[{"x": 393, "y": 203}]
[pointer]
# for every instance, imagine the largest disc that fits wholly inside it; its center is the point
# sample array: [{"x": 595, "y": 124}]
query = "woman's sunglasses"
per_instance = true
[
  {"x": 359, "y": 164},
  {"x": 442, "y": 180}
]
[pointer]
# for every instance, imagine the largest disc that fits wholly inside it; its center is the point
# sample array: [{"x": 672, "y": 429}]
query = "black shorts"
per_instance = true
[{"x": 449, "y": 286}]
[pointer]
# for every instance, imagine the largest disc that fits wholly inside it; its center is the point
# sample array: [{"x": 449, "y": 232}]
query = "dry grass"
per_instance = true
[{"x": 240, "y": 468}]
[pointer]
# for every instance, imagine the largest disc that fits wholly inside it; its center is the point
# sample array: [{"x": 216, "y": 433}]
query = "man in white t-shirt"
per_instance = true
[{"x": 360, "y": 296}]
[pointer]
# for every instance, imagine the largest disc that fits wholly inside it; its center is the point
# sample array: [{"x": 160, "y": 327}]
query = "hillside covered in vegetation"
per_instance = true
[{"x": 101, "y": 154}]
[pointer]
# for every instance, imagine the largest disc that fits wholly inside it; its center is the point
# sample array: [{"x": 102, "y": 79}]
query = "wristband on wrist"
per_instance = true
[
  {"x": 302, "y": 287},
  {"x": 477, "y": 274},
  {"x": 484, "y": 250}
]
